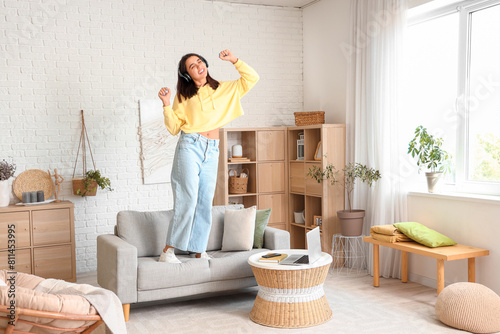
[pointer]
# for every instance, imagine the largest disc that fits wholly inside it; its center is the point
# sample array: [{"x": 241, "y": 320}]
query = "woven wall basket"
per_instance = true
[
  {"x": 33, "y": 180},
  {"x": 309, "y": 117}
]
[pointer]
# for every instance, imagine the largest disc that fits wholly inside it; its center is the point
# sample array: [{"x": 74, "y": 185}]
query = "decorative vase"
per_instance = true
[
  {"x": 351, "y": 222},
  {"x": 237, "y": 151},
  {"x": 433, "y": 180},
  {"x": 5, "y": 190},
  {"x": 79, "y": 185}
]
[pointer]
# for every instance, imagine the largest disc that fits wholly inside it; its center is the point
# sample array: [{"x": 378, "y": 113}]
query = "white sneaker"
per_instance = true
[{"x": 169, "y": 257}]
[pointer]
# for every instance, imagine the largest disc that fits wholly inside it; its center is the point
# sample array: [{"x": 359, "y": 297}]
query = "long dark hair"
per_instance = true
[{"x": 188, "y": 89}]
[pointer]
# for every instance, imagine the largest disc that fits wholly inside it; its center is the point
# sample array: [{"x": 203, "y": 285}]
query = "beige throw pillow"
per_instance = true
[{"x": 239, "y": 228}]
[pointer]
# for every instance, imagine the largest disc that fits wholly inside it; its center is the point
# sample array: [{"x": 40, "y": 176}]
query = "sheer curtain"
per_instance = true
[{"x": 374, "y": 55}]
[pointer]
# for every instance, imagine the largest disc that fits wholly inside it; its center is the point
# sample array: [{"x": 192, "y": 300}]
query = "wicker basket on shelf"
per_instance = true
[
  {"x": 238, "y": 184},
  {"x": 309, "y": 117}
]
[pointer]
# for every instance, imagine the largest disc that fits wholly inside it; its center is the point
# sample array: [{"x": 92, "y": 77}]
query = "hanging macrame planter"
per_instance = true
[{"x": 84, "y": 185}]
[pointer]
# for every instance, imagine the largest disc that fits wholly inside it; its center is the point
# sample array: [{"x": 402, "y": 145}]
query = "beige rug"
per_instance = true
[{"x": 357, "y": 307}]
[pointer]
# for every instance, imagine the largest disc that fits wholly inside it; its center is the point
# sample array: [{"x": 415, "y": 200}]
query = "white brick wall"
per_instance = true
[{"x": 60, "y": 56}]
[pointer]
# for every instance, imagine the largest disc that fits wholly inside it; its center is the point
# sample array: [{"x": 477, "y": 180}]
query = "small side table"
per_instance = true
[
  {"x": 290, "y": 296},
  {"x": 349, "y": 255}
]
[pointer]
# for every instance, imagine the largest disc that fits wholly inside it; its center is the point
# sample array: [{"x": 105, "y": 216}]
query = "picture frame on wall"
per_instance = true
[{"x": 317, "y": 154}]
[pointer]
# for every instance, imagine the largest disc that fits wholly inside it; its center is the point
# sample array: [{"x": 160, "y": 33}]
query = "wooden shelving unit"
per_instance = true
[
  {"x": 267, "y": 183},
  {"x": 316, "y": 199},
  {"x": 278, "y": 180}
]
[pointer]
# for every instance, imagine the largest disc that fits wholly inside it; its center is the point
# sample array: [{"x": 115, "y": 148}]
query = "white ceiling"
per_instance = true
[{"x": 280, "y": 3}]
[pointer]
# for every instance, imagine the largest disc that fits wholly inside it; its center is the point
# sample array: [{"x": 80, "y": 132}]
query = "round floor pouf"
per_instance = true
[{"x": 469, "y": 306}]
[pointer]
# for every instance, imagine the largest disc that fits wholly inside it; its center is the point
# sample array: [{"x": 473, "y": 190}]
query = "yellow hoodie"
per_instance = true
[{"x": 211, "y": 109}]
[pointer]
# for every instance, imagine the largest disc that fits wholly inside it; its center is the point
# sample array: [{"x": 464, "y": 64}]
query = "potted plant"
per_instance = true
[
  {"x": 351, "y": 221},
  {"x": 7, "y": 170},
  {"x": 427, "y": 149},
  {"x": 87, "y": 186}
]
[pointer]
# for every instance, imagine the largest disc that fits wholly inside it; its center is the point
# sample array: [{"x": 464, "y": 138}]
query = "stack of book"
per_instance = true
[
  {"x": 273, "y": 258},
  {"x": 242, "y": 159}
]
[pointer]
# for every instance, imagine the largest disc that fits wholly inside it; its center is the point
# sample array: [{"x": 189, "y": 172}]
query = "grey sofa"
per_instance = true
[{"x": 127, "y": 261}]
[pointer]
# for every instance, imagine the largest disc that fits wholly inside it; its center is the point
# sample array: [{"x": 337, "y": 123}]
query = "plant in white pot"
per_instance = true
[
  {"x": 351, "y": 221},
  {"x": 7, "y": 170},
  {"x": 427, "y": 149}
]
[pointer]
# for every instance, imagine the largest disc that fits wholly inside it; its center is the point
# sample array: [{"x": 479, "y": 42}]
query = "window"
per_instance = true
[{"x": 452, "y": 87}]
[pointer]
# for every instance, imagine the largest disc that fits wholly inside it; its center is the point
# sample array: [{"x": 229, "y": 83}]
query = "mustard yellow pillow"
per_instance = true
[{"x": 424, "y": 235}]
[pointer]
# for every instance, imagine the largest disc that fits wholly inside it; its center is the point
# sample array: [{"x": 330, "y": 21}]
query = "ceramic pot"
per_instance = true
[
  {"x": 433, "y": 181},
  {"x": 351, "y": 222},
  {"x": 5, "y": 191}
]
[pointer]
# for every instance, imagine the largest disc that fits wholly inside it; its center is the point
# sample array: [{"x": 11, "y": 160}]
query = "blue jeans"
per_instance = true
[{"x": 194, "y": 176}]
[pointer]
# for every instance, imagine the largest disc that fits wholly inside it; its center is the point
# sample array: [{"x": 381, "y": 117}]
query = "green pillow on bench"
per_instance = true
[{"x": 424, "y": 235}]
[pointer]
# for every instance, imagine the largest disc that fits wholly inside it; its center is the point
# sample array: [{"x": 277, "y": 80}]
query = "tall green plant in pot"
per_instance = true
[
  {"x": 427, "y": 149},
  {"x": 351, "y": 221}
]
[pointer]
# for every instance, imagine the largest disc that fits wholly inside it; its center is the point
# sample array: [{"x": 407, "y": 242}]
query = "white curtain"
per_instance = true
[{"x": 374, "y": 56}]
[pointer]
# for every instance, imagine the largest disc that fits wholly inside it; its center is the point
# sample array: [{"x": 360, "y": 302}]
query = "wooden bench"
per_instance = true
[{"x": 447, "y": 253}]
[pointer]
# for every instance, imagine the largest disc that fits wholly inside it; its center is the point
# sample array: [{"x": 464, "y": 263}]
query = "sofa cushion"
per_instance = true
[
  {"x": 231, "y": 265},
  {"x": 27, "y": 297},
  {"x": 215, "y": 237},
  {"x": 152, "y": 275},
  {"x": 261, "y": 220},
  {"x": 239, "y": 229},
  {"x": 424, "y": 235},
  {"x": 147, "y": 231}
]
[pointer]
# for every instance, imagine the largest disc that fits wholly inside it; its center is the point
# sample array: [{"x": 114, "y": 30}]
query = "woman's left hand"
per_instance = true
[{"x": 228, "y": 55}]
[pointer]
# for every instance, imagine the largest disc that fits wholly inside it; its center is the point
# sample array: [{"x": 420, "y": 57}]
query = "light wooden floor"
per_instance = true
[{"x": 358, "y": 307}]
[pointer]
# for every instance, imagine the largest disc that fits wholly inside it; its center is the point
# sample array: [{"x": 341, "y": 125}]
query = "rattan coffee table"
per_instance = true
[{"x": 290, "y": 296}]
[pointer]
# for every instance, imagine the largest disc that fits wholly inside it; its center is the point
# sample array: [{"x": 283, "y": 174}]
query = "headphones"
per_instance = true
[{"x": 186, "y": 75}]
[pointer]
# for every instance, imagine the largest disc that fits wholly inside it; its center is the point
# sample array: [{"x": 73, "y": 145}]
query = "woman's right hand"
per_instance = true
[{"x": 164, "y": 95}]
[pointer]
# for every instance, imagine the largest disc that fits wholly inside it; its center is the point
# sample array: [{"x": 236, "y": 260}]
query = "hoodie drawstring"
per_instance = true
[{"x": 211, "y": 98}]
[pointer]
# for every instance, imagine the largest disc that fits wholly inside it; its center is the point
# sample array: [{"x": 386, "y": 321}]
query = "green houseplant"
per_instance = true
[
  {"x": 87, "y": 186},
  {"x": 87, "y": 183},
  {"x": 351, "y": 221},
  {"x": 429, "y": 154}
]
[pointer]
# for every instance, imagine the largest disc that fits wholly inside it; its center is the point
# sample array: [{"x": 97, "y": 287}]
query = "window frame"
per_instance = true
[{"x": 465, "y": 10}]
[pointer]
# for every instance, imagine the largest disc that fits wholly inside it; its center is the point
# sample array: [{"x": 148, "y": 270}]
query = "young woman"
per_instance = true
[{"x": 202, "y": 106}]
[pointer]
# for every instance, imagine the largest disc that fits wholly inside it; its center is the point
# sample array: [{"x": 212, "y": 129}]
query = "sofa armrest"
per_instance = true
[
  {"x": 276, "y": 239},
  {"x": 117, "y": 267}
]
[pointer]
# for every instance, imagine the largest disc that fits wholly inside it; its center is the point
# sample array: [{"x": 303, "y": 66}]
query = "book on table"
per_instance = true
[{"x": 273, "y": 259}]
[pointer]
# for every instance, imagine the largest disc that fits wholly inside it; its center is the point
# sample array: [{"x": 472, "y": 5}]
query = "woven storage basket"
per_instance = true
[
  {"x": 309, "y": 117},
  {"x": 238, "y": 184}
]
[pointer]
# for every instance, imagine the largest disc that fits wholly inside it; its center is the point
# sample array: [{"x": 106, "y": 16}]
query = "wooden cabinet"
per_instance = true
[
  {"x": 44, "y": 239},
  {"x": 267, "y": 182},
  {"x": 307, "y": 195},
  {"x": 278, "y": 177},
  {"x": 277, "y": 203},
  {"x": 271, "y": 145},
  {"x": 271, "y": 177}
]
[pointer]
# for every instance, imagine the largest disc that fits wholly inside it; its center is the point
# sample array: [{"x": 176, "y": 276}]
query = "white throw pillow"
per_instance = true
[
  {"x": 239, "y": 229},
  {"x": 2, "y": 283}
]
